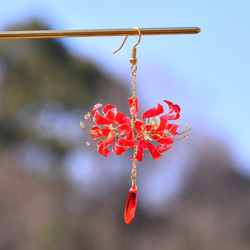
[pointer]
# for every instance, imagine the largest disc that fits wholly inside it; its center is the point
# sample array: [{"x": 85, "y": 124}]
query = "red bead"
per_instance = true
[{"x": 130, "y": 206}]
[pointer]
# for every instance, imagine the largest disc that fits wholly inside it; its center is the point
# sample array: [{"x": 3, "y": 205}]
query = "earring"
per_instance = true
[
  {"x": 130, "y": 207},
  {"x": 150, "y": 132}
]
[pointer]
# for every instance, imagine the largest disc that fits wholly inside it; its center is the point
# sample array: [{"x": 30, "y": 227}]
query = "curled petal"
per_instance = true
[
  {"x": 174, "y": 117},
  {"x": 173, "y": 107},
  {"x": 131, "y": 102},
  {"x": 107, "y": 108},
  {"x": 129, "y": 135},
  {"x": 153, "y": 151},
  {"x": 171, "y": 117},
  {"x": 97, "y": 106},
  {"x": 163, "y": 139},
  {"x": 177, "y": 108},
  {"x": 99, "y": 119},
  {"x": 163, "y": 123},
  {"x": 139, "y": 125},
  {"x": 98, "y": 132},
  {"x": 109, "y": 142},
  {"x": 120, "y": 118},
  {"x": 172, "y": 128},
  {"x": 124, "y": 129},
  {"x": 110, "y": 115},
  {"x": 118, "y": 149},
  {"x": 102, "y": 146},
  {"x": 170, "y": 105},
  {"x": 140, "y": 148},
  {"x": 157, "y": 110},
  {"x": 126, "y": 143},
  {"x": 164, "y": 147},
  {"x": 104, "y": 151},
  {"x": 150, "y": 127}
]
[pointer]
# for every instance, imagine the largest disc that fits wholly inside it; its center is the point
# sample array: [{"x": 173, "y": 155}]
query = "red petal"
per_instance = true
[
  {"x": 96, "y": 127},
  {"x": 153, "y": 151},
  {"x": 107, "y": 108},
  {"x": 126, "y": 143},
  {"x": 140, "y": 148},
  {"x": 97, "y": 131},
  {"x": 120, "y": 118},
  {"x": 130, "y": 206},
  {"x": 124, "y": 128},
  {"x": 99, "y": 119},
  {"x": 172, "y": 128},
  {"x": 163, "y": 139},
  {"x": 157, "y": 110},
  {"x": 173, "y": 117},
  {"x": 102, "y": 146},
  {"x": 131, "y": 109},
  {"x": 129, "y": 136},
  {"x": 170, "y": 105},
  {"x": 163, "y": 123},
  {"x": 139, "y": 125},
  {"x": 173, "y": 107},
  {"x": 110, "y": 115},
  {"x": 109, "y": 142},
  {"x": 164, "y": 147},
  {"x": 97, "y": 106},
  {"x": 104, "y": 151},
  {"x": 150, "y": 128},
  {"x": 176, "y": 108},
  {"x": 119, "y": 150}
]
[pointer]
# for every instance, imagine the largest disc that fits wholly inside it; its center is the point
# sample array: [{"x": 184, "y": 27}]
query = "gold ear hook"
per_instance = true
[
  {"x": 139, "y": 33},
  {"x": 121, "y": 45},
  {"x": 133, "y": 60}
]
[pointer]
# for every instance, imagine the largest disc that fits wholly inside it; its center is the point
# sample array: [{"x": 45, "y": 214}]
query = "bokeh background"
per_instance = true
[{"x": 57, "y": 193}]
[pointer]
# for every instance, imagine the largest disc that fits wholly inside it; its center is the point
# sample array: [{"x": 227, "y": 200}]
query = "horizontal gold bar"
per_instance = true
[{"x": 90, "y": 33}]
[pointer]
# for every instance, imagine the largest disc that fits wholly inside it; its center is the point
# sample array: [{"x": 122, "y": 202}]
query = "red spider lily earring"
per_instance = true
[{"x": 150, "y": 132}]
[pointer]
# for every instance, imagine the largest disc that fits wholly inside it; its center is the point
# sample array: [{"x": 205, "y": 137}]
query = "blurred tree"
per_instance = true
[
  {"x": 211, "y": 213},
  {"x": 38, "y": 72},
  {"x": 41, "y": 70}
]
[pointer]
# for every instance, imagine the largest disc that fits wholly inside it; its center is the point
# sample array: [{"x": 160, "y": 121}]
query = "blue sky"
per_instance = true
[{"x": 207, "y": 74}]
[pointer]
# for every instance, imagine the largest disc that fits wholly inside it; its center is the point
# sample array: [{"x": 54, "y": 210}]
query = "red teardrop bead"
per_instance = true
[{"x": 130, "y": 206}]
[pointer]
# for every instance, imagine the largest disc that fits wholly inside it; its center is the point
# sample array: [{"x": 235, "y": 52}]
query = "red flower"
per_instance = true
[
  {"x": 142, "y": 134},
  {"x": 115, "y": 124},
  {"x": 158, "y": 130}
]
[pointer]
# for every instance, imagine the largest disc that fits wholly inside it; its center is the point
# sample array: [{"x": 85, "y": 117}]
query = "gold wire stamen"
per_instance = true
[
  {"x": 85, "y": 129},
  {"x": 177, "y": 139},
  {"x": 185, "y": 130}
]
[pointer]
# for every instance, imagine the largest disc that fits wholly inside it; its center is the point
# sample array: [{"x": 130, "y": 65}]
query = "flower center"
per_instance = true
[{"x": 114, "y": 131}]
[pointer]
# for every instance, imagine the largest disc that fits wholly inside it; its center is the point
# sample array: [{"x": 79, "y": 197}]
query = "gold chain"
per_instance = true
[
  {"x": 134, "y": 116},
  {"x": 134, "y": 172},
  {"x": 134, "y": 69}
]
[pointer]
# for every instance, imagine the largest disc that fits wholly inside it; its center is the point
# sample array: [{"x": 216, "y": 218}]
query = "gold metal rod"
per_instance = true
[{"x": 92, "y": 33}]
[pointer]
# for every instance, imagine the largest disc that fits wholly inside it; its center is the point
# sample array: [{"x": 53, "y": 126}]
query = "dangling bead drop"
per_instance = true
[{"x": 130, "y": 206}]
